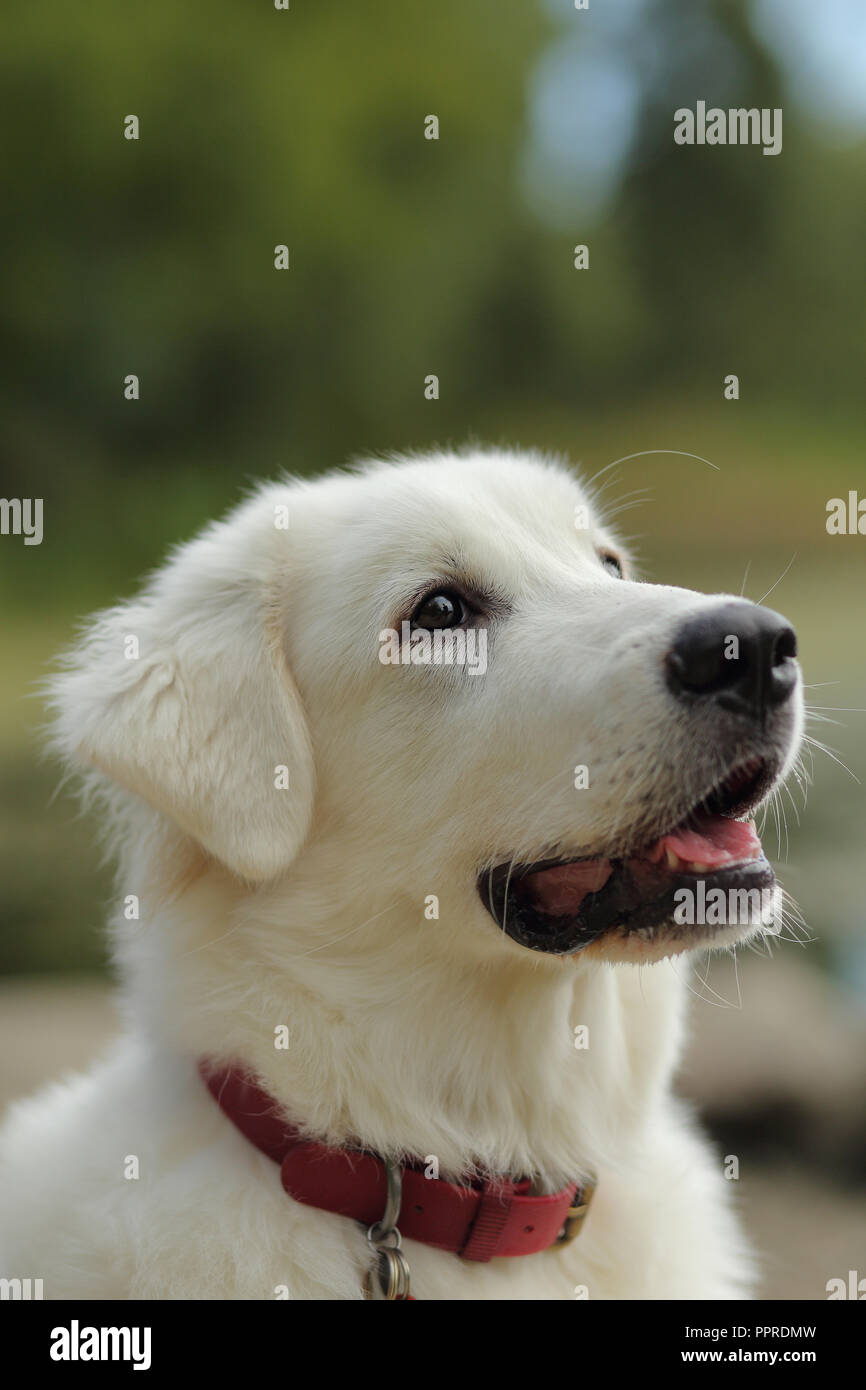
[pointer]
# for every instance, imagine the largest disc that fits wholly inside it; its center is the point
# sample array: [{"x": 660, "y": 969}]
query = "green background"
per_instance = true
[{"x": 411, "y": 257}]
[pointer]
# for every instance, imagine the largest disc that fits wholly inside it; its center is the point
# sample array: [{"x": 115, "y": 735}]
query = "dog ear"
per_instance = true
[{"x": 184, "y": 697}]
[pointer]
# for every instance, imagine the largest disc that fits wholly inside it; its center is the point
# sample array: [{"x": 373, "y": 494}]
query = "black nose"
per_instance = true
[{"x": 737, "y": 654}]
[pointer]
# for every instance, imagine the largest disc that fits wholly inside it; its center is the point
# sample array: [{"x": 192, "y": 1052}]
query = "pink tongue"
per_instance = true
[
  {"x": 716, "y": 841},
  {"x": 563, "y": 888}
]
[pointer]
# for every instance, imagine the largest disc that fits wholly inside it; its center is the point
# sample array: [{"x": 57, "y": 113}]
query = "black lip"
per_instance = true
[
  {"x": 741, "y": 790},
  {"x": 625, "y": 902}
]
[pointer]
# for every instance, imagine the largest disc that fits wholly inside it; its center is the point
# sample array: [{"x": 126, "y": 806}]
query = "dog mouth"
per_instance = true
[{"x": 560, "y": 906}]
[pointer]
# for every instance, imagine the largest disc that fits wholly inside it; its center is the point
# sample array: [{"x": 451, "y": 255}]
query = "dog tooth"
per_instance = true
[{"x": 672, "y": 861}]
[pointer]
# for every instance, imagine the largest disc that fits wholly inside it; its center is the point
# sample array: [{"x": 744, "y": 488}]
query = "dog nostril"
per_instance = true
[
  {"x": 786, "y": 646},
  {"x": 696, "y": 670}
]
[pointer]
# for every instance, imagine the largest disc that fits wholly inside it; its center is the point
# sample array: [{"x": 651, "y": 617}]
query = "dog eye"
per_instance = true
[
  {"x": 439, "y": 610},
  {"x": 612, "y": 563}
]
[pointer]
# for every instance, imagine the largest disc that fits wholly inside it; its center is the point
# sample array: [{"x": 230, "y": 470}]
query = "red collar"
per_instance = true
[{"x": 478, "y": 1222}]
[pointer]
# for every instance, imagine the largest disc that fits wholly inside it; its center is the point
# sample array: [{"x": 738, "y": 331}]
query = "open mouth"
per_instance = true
[{"x": 560, "y": 906}]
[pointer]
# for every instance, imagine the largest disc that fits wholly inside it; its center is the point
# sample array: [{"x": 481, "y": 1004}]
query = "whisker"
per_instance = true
[
  {"x": 815, "y": 743},
  {"x": 781, "y": 577},
  {"x": 839, "y": 709},
  {"x": 644, "y": 453},
  {"x": 723, "y": 1004},
  {"x": 325, "y": 944}
]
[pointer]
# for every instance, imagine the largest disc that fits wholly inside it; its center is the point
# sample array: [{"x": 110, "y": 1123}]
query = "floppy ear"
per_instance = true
[{"x": 184, "y": 697}]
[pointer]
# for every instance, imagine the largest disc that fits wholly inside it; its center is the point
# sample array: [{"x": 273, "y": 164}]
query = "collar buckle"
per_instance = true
[{"x": 575, "y": 1215}]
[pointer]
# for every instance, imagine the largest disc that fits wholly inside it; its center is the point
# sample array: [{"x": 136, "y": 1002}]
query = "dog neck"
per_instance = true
[{"x": 370, "y": 1031}]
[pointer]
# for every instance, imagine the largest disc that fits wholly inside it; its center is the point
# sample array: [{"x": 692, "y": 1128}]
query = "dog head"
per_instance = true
[{"x": 436, "y": 682}]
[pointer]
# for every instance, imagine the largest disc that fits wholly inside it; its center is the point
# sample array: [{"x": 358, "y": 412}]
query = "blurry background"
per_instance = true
[{"x": 454, "y": 257}]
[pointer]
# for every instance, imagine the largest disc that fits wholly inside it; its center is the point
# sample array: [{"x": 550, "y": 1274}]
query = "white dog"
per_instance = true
[{"x": 427, "y": 896}]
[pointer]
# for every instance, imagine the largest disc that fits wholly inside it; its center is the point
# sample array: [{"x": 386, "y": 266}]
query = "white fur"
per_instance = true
[{"x": 305, "y": 907}]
